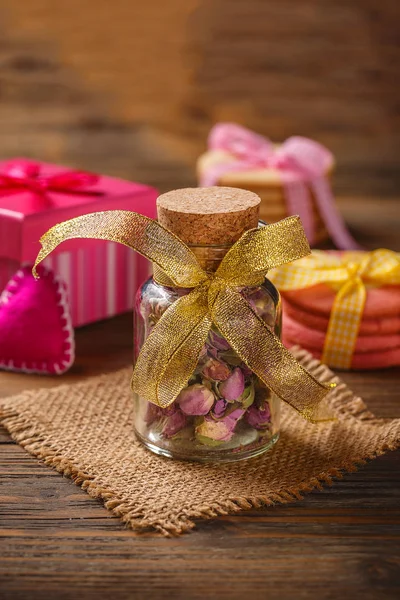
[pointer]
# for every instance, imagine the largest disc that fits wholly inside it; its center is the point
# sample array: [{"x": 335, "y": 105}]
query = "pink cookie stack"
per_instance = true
[{"x": 306, "y": 314}]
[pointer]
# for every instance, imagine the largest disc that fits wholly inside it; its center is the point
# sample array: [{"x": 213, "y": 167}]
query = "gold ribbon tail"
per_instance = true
[
  {"x": 170, "y": 354},
  {"x": 265, "y": 355}
]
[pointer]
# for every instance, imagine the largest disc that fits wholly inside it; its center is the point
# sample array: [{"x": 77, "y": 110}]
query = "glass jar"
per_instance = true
[{"x": 225, "y": 413}]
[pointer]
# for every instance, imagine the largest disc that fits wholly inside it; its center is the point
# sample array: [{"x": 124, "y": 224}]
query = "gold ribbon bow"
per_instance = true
[
  {"x": 350, "y": 274},
  {"x": 170, "y": 353}
]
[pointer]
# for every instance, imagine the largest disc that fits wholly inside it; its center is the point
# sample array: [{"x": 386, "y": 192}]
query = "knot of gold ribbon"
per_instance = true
[
  {"x": 350, "y": 274},
  {"x": 170, "y": 353}
]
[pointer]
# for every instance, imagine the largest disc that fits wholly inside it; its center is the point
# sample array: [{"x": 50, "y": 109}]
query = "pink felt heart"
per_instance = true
[{"x": 36, "y": 333}]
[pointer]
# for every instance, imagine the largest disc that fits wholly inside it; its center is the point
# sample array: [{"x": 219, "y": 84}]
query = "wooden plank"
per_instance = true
[{"x": 135, "y": 95}]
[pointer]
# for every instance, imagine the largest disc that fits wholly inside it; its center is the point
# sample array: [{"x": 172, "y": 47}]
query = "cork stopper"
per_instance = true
[{"x": 208, "y": 216}]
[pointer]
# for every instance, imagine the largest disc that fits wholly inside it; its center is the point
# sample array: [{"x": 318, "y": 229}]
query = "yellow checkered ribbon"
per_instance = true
[{"x": 350, "y": 274}]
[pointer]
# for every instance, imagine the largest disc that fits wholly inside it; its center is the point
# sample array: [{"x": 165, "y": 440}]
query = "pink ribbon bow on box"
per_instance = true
[
  {"x": 302, "y": 164},
  {"x": 22, "y": 175}
]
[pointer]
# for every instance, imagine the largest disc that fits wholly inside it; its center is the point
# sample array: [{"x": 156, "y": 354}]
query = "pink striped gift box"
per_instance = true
[{"x": 101, "y": 277}]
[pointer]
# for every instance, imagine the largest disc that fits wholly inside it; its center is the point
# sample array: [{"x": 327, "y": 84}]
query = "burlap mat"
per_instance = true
[{"x": 85, "y": 431}]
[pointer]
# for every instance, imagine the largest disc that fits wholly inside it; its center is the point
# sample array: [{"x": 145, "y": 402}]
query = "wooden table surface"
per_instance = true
[{"x": 342, "y": 542}]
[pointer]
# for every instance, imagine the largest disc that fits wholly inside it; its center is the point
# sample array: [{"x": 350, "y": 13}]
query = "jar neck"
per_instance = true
[{"x": 210, "y": 257}]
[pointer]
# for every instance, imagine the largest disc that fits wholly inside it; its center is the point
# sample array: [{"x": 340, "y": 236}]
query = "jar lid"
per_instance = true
[{"x": 208, "y": 216}]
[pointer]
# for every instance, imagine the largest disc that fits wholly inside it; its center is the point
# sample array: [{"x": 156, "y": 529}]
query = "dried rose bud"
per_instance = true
[
  {"x": 234, "y": 417},
  {"x": 213, "y": 352},
  {"x": 216, "y": 370},
  {"x": 247, "y": 398},
  {"x": 203, "y": 352},
  {"x": 174, "y": 424},
  {"x": 217, "y": 341},
  {"x": 169, "y": 410},
  {"x": 258, "y": 417},
  {"x": 230, "y": 357},
  {"x": 153, "y": 413},
  {"x": 211, "y": 432},
  {"x": 247, "y": 372},
  {"x": 196, "y": 399},
  {"x": 232, "y": 388},
  {"x": 262, "y": 304},
  {"x": 207, "y": 383},
  {"x": 219, "y": 408}
]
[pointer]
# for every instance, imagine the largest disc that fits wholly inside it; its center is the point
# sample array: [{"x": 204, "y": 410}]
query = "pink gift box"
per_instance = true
[{"x": 101, "y": 277}]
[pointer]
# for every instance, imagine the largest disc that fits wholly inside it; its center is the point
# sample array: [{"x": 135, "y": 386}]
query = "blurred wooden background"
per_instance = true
[{"x": 131, "y": 88}]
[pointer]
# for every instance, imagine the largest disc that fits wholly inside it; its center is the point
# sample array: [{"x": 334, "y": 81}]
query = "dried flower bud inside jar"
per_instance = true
[{"x": 225, "y": 412}]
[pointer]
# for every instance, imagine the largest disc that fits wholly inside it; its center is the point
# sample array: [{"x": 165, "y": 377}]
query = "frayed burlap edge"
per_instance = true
[{"x": 34, "y": 440}]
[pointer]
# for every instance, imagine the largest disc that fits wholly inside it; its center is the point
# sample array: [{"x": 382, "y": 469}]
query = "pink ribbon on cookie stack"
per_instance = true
[{"x": 302, "y": 164}]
